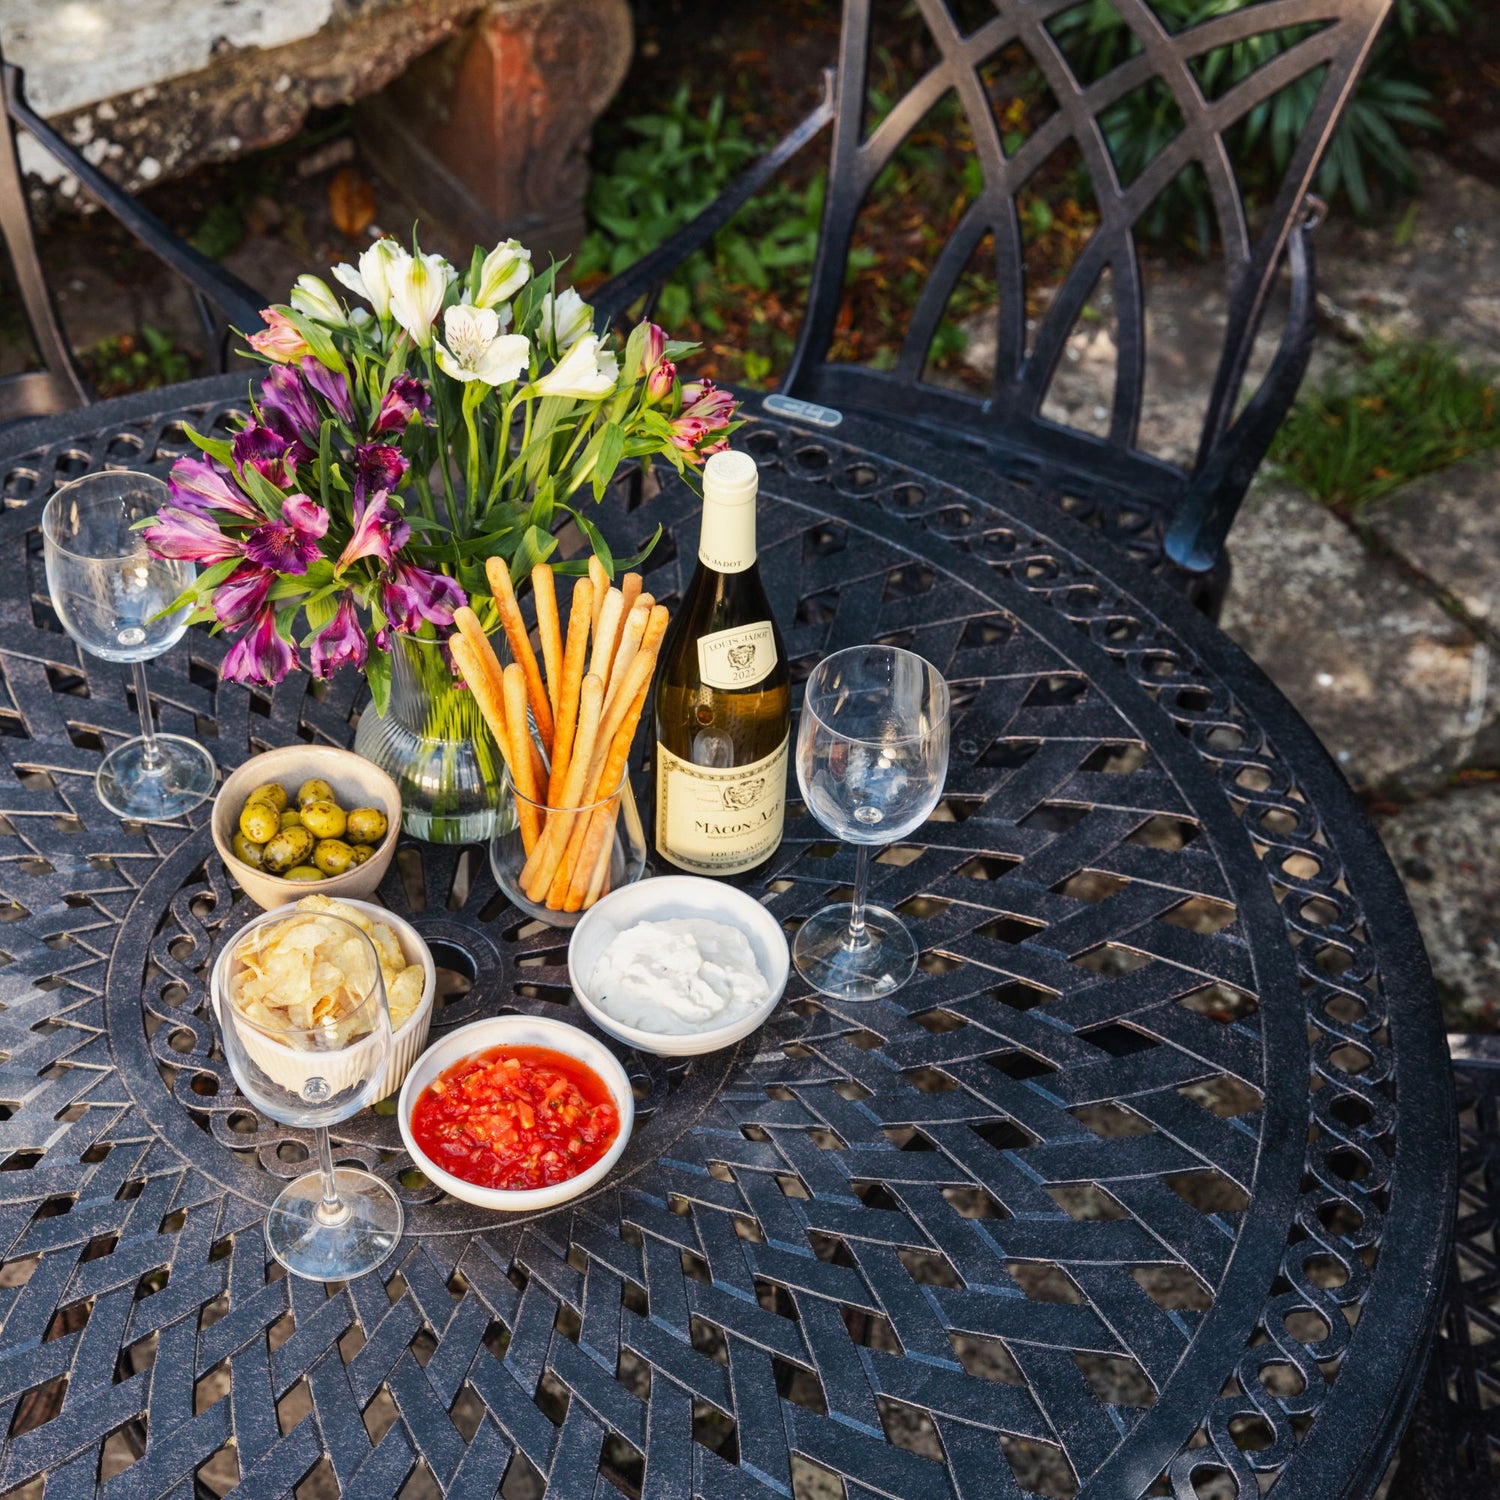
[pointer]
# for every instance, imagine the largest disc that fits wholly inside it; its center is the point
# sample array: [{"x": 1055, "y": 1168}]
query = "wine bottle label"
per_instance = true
[
  {"x": 737, "y": 658},
  {"x": 713, "y": 822}
]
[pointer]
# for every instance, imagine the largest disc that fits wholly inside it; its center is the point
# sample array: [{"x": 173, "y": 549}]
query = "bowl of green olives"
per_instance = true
[{"x": 307, "y": 818}]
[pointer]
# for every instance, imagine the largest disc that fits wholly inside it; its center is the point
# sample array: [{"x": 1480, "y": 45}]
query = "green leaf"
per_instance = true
[
  {"x": 325, "y": 459},
  {"x": 536, "y": 546},
  {"x": 611, "y": 439},
  {"x": 378, "y": 675},
  {"x": 216, "y": 448},
  {"x": 318, "y": 339},
  {"x": 261, "y": 490}
]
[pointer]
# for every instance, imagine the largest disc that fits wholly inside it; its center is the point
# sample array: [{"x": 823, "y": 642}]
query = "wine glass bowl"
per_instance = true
[
  {"x": 114, "y": 599},
  {"x": 312, "y": 1065},
  {"x": 872, "y": 757}
]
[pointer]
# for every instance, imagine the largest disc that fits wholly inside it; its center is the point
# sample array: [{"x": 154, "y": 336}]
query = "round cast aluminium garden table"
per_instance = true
[{"x": 1142, "y": 1186}]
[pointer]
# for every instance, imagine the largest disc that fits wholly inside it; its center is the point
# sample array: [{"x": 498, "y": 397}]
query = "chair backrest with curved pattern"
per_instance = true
[{"x": 1332, "y": 37}]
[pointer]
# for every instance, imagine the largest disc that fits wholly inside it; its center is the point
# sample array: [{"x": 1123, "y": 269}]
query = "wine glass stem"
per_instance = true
[
  {"x": 332, "y": 1210},
  {"x": 151, "y": 754},
  {"x": 857, "y": 937}
]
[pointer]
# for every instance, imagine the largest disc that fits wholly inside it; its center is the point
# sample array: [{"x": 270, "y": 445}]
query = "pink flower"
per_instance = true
[
  {"x": 655, "y": 349},
  {"x": 200, "y": 486},
  {"x": 660, "y": 381},
  {"x": 704, "y": 400},
  {"x": 260, "y": 656},
  {"x": 290, "y": 544},
  {"x": 287, "y": 408},
  {"x": 242, "y": 595},
  {"x": 279, "y": 340},
  {"x": 407, "y": 398},
  {"x": 340, "y": 643},
  {"x": 267, "y": 452},
  {"x": 332, "y": 387},
  {"x": 377, "y": 466},
  {"x": 379, "y": 531},
  {"x": 186, "y": 537},
  {"x": 412, "y": 595}
]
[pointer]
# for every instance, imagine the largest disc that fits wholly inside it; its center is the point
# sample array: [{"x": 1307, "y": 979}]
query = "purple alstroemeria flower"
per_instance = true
[
  {"x": 340, "y": 643},
  {"x": 242, "y": 595},
  {"x": 199, "y": 486},
  {"x": 710, "y": 405},
  {"x": 412, "y": 595},
  {"x": 655, "y": 349},
  {"x": 379, "y": 532},
  {"x": 331, "y": 386},
  {"x": 290, "y": 544},
  {"x": 184, "y": 536},
  {"x": 660, "y": 381},
  {"x": 377, "y": 466},
  {"x": 287, "y": 408},
  {"x": 260, "y": 656},
  {"x": 265, "y": 451},
  {"x": 407, "y": 398}
]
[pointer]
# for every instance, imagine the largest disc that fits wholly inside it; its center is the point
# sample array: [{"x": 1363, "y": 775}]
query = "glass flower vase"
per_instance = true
[{"x": 433, "y": 742}]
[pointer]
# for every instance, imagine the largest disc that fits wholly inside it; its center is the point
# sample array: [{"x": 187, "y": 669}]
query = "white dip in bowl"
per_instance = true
[{"x": 678, "y": 965}]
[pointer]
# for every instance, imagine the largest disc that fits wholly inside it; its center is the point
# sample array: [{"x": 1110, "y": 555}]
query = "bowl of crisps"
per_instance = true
[
  {"x": 405, "y": 964},
  {"x": 354, "y": 782}
]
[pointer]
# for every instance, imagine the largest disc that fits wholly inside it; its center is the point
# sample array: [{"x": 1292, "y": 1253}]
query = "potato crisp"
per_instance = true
[{"x": 312, "y": 975}]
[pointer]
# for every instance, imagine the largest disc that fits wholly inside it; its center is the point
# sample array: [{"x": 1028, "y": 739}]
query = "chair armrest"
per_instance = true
[
  {"x": 239, "y": 302},
  {"x": 652, "y": 271},
  {"x": 1198, "y": 531}
]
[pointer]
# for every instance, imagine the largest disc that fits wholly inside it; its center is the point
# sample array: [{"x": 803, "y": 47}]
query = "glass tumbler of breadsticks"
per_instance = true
[{"x": 565, "y": 726}]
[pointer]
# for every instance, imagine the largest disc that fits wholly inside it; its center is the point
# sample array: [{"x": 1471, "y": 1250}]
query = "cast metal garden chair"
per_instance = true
[
  {"x": 1165, "y": 512},
  {"x": 223, "y": 300}
]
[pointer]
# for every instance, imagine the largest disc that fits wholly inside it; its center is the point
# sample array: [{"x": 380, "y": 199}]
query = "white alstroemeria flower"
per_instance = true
[
  {"x": 372, "y": 280},
  {"x": 417, "y": 290},
  {"x": 566, "y": 317},
  {"x": 506, "y": 269},
  {"x": 477, "y": 350},
  {"x": 314, "y": 297},
  {"x": 586, "y": 372}
]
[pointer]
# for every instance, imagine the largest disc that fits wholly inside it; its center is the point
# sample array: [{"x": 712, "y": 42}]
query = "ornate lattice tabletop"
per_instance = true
[{"x": 1140, "y": 1187}]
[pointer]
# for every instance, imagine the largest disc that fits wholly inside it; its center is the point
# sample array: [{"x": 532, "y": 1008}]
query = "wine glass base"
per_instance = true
[
  {"x": 879, "y": 966},
  {"x": 360, "y": 1241},
  {"x": 183, "y": 777}
]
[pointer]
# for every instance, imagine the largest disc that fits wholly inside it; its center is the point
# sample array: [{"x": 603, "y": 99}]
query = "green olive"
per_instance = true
[
  {"x": 269, "y": 792},
  {"x": 259, "y": 822},
  {"x": 246, "y": 852},
  {"x": 291, "y": 818},
  {"x": 367, "y": 825},
  {"x": 306, "y": 873},
  {"x": 333, "y": 856},
  {"x": 324, "y": 820},
  {"x": 314, "y": 791},
  {"x": 286, "y": 851}
]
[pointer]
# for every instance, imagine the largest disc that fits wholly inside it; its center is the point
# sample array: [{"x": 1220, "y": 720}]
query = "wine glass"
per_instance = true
[
  {"x": 872, "y": 755},
  {"x": 112, "y": 596},
  {"x": 338, "y": 1222}
]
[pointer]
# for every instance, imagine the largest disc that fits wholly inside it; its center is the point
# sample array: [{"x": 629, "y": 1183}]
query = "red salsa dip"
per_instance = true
[{"x": 516, "y": 1118}]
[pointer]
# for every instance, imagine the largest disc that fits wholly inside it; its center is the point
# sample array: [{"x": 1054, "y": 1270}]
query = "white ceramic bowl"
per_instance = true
[
  {"x": 517, "y": 1031},
  {"x": 409, "y": 1038},
  {"x": 656, "y": 901}
]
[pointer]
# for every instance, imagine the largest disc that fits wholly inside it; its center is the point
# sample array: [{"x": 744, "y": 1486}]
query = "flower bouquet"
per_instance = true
[{"x": 395, "y": 448}]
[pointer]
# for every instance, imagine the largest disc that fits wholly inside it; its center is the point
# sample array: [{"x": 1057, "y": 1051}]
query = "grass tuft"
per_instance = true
[{"x": 1410, "y": 407}]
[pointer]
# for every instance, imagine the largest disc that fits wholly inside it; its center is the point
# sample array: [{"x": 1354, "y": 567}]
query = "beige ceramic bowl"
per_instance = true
[{"x": 355, "y": 782}]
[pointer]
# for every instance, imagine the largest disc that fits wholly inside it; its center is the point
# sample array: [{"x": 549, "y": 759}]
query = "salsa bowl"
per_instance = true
[{"x": 517, "y": 1031}]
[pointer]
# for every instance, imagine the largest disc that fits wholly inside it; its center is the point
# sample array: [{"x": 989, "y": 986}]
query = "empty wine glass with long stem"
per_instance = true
[
  {"x": 114, "y": 599},
  {"x": 872, "y": 756}
]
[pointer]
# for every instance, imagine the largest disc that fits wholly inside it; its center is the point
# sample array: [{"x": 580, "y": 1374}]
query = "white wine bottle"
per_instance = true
[{"x": 723, "y": 696}]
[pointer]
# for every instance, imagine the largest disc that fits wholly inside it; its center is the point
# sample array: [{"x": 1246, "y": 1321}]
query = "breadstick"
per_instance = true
[
  {"x": 630, "y": 643},
  {"x": 521, "y": 770},
  {"x": 520, "y": 646},
  {"x": 599, "y": 883},
  {"x": 637, "y": 682},
  {"x": 486, "y": 663},
  {"x": 548, "y": 627},
  {"x": 607, "y": 634},
  {"x": 656, "y": 628},
  {"x": 600, "y": 579},
  {"x": 486, "y": 686},
  {"x": 572, "y": 682},
  {"x": 601, "y": 824},
  {"x": 541, "y": 867},
  {"x": 630, "y": 587}
]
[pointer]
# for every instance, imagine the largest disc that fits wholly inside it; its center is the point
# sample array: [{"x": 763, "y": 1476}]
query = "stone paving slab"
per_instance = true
[
  {"x": 1447, "y": 526},
  {"x": 1447, "y": 850},
  {"x": 1385, "y": 677}
]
